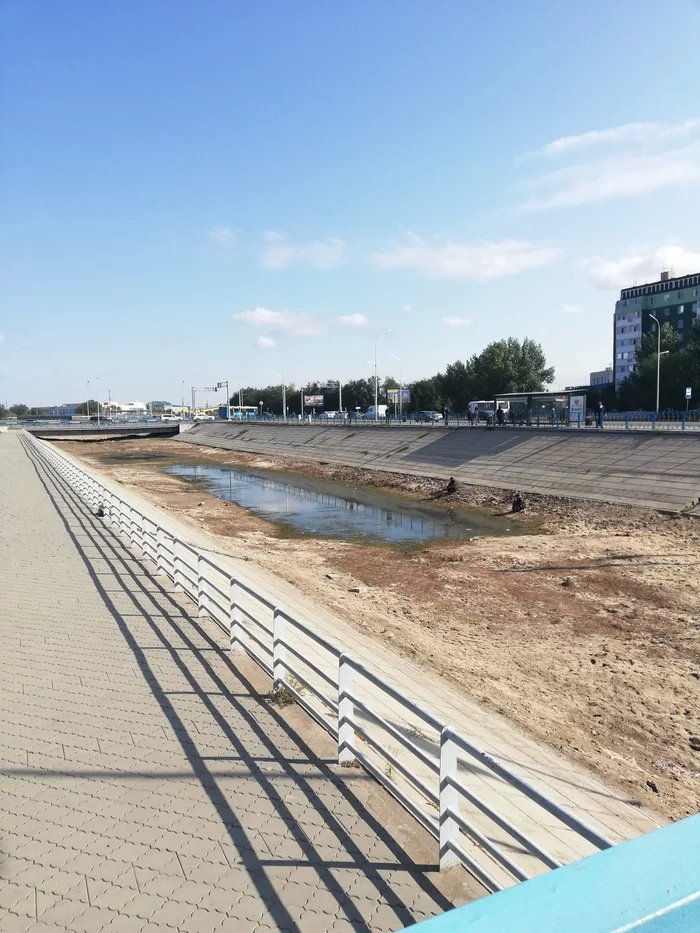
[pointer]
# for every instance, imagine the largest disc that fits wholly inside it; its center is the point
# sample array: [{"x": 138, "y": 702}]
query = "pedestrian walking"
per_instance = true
[
  {"x": 446, "y": 414},
  {"x": 600, "y": 416}
]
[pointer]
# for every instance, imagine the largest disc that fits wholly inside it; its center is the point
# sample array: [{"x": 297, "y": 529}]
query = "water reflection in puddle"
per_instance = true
[{"x": 324, "y": 508}]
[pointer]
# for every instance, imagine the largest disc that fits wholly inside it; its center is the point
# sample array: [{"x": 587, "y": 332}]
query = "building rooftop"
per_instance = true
[{"x": 665, "y": 283}]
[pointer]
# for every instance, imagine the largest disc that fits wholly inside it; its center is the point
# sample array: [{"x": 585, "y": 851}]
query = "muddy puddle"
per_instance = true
[{"x": 327, "y": 508}]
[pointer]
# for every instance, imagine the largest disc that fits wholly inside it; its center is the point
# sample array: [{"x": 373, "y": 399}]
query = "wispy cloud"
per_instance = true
[
  {"x": 479, "y": 262},
  {"x": 645, "y": 132},
  {"x": 640, "y": 265},
  {"x": 266, "y": 343},
  {"x": 291, "y": 323},
  {"x": 618, "y": 177},
  {"x": 456, "y": 321},
  {"x": 280, "y": 252},
  {"x": 352, "y": 320},
  {"x": 407, "y": 307},
  {"x": 222, "y": 234}
]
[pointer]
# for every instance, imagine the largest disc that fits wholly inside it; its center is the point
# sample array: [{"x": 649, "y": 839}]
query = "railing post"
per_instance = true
[
  {"x": 160, "y": 559},
  {"x": 279, "y": 652},
  {"x": 236, "y": 633},
  {"x": 449, "y": 800},
  {"x": 346, "y": 712},
  {"x": 627, "y": 421},
  {"x": 201, "y": 595},
  {"x": 682, "y": 421},
  {"x": 176, "y": 568}
]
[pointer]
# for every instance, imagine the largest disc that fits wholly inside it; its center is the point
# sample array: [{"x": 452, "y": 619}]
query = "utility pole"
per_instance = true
[
  {"x": 376, "y": 376},
  {"x": 658, "y": 359},
  {"x": 395, "y": 357}
]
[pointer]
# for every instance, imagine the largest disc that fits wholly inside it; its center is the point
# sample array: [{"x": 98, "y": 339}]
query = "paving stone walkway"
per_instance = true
[{"x": 146, "y": 783}]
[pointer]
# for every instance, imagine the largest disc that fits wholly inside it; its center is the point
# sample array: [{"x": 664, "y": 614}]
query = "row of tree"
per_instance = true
[
  {"x": 504, "y": 366},
  {"x": 679, "y": 369}
]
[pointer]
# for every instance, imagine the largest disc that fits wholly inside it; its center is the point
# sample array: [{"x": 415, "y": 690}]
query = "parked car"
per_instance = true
[{"x": 430, "y": 416}]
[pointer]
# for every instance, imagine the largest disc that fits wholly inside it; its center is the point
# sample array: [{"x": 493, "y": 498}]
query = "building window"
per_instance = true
[
  {"x": 680, "y": 324},
  {"x": 681, "y": 309},
  {"x": 653, "y": 328},
  {"x": 667, "y": 312}
]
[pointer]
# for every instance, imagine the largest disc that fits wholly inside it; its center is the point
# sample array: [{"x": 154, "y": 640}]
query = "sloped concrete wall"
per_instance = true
[{"x": 661, "y": 471}]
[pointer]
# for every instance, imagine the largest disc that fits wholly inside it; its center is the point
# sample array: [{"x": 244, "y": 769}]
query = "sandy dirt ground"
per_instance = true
[{"x": 584, "y": 630}]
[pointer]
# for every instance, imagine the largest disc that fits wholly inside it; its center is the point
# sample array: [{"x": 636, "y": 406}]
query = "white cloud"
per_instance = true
[
  {"x": 353, "y": 320},
  {"x": 456, "y": 321},
  {"x": 407, "y": 308},
  {"x": 641, "y": 265},
  {"x": 573, "y": 309},
  {"x": 292, "y": 323},
  {"x": 281, "y": 252},
  {"x": 266, "y": 343},
  {"x": 626, "y": 133},
  {"x": 221, "y": 234},
  {"x": 618, "y": 177},
  {"x": 479, "y": 262}
]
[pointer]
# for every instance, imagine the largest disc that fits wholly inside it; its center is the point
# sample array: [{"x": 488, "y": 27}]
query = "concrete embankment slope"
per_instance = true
[{"x": 660, "y": 471}]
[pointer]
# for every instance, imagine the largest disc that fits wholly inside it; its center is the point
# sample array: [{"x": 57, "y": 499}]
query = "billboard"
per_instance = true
[
  {"x": 577, "y": 408},
  {"x": 313, "y": 401},
  {"x": 398, "y": 395}
]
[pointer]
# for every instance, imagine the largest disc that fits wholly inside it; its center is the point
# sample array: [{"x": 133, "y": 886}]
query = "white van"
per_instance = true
[{"x": 378, "y": 412}]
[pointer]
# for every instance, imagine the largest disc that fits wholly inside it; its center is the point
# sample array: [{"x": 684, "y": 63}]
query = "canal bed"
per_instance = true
[{"x": 326, "y": 508}]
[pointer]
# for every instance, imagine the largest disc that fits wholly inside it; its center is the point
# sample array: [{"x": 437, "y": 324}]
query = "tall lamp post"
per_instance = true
[
  {"x": 395, "y": 357},
  {"x": 284, "y": 393},
  {"x": 240, "y": 390},
  {"x": 658, "y": 358},
  {"x": 87, "y": 389},
  {"x": 376, "y": 376},
  {"x": 97, "y": 380}
]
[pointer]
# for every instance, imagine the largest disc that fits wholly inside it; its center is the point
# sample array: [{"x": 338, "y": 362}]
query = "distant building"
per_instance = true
[
  {"x": 123, "y": 408},
  {"x": 602, "y": 378},
  {"x": 672, "y": 300}
]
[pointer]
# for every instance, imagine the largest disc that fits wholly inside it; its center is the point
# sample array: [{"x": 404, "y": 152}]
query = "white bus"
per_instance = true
[{"x": 485, "y": 409}]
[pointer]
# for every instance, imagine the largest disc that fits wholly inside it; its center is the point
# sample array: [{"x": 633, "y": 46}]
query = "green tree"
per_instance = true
[
  {"x": 82, "y": 408},
  {"x": 510, "y": 366},
  {"x": 638, "y": 391},
  {"x": 358, "y": 393},
  {"x": 457, "y": 386},
  {"x": 21, "y": 411},
  {"x": 426, "y": 395}
]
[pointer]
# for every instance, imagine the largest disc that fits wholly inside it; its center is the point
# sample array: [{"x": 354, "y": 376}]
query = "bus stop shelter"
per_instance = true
[{"x": 542, "y": 408}]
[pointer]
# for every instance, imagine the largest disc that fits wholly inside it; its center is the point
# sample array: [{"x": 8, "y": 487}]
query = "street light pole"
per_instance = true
[
  {"x": 284, "y": 392},
  {"x": 240, "y": 389},
  {"x": 395, "y": 357},
  {"x": 376, "y": 376},
  {"x": 98, "y": 400},
  {"x": 658, "y": 359}
]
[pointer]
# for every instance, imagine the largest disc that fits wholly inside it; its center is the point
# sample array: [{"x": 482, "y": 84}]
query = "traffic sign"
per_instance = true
[{"x": 688, "y": 392}]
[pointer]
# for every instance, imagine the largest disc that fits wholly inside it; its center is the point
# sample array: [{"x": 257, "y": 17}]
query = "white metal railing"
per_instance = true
[{"x": 433, "y": 771}]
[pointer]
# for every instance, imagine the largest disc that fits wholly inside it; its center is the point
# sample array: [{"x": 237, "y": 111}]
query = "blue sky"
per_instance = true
[{"x": 187, "y": 188}]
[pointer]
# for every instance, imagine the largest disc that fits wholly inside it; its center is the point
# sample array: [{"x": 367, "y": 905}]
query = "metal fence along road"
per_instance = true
[{"x": 375, "y": 725}]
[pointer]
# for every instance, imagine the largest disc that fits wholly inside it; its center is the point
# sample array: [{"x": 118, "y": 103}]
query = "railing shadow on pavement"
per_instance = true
[
  {"x": 346, "y": 712},
  {"x": 121, "y": 567}
]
